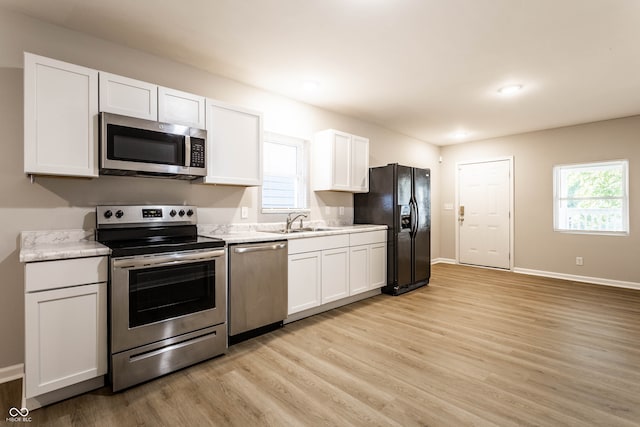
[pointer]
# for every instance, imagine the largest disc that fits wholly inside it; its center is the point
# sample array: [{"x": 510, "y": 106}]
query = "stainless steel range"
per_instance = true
[{"x": 167, "y": 293}]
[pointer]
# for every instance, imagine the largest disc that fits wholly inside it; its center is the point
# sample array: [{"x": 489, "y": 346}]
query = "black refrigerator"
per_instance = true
[{"x": 400, "y": 198}]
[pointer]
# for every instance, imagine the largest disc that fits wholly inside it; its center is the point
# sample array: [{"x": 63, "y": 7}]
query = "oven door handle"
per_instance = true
[
  {"x": 160, "y": 260},
  {"x": 244, "y": 250}
]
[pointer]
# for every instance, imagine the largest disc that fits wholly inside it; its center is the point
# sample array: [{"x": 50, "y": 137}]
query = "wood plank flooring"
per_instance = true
[
  {"x": 476, "y": 347},
  {"x": 10, "y": 397}
]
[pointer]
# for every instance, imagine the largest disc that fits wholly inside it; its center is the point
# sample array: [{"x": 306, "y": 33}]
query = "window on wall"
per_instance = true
[
  {"x": 284, "y": 184},
  {"x": 592, "y": 197}
]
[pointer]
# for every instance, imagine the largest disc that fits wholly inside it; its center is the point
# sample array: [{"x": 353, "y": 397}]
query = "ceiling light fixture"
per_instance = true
[
  {"x": 510, "y": 89},
  {"x": 310, "y": 85},
  {"x": 461, "y": 134}
]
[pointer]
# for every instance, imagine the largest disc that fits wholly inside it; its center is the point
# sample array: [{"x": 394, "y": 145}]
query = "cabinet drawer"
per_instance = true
[
  {"x": 40, "y": 276},
  {"x": 310, "y": 244},
  {"x": 368, "y": 238}
]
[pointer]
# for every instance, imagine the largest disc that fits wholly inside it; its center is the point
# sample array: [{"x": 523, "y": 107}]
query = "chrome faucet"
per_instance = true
[{"x": 290, "y": 220}]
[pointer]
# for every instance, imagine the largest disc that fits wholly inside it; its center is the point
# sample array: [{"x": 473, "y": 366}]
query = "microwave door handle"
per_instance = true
[{"x": 187, "y": 151}]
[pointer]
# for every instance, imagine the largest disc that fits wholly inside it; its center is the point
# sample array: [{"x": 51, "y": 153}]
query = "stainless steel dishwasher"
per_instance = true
[{"x": 257, "y": 288}]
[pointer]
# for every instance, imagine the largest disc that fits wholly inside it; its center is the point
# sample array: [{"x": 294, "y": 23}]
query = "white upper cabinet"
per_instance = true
[
  {"x": 234, "y": 145},
  {"x": 128, "y": 97},
  {"x": 181, "y": 108},
  {"x": 340, "y": 162},
  {"x": 60, "y": 118},
  {"x": 359, "y": 179}
]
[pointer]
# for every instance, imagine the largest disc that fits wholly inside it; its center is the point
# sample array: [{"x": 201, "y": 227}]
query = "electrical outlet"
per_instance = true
[
  {"x": 579, "y": 260},
  {"x": 244, "y": 212}
]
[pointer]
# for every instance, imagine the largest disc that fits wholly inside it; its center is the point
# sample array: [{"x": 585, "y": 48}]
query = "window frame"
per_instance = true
[
  {"x": 302, "y": 176},
  {"x": 557, "y": 200}
]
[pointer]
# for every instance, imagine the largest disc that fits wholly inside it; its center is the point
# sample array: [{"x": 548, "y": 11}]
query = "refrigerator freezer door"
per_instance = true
[{"x": 404, "y": 249}]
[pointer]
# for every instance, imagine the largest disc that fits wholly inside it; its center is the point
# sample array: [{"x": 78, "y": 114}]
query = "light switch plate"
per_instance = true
[
  {"x": 341, "y": 211},
  {"x": 244, "y": 212}
]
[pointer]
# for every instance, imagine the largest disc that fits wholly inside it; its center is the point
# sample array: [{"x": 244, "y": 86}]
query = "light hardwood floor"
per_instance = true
[{"x": 476, "y": 347}]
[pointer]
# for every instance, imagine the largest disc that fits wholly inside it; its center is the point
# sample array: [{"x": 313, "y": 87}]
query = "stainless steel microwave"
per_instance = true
[{"x": 137, "y": 147}]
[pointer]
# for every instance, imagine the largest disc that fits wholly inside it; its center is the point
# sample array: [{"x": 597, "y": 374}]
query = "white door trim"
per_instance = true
[{"x": 511, "y": 205}]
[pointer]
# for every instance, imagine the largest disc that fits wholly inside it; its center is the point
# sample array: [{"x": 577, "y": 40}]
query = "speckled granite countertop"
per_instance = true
[{"x": 59, "y": 244}]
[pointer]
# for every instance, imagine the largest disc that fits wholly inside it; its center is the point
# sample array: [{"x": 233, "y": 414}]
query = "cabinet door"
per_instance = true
[
  {"x": 335, "y": 274},
  {"x": 234, "y": 145},
  {"x": 359, "y": 269},
  {"x": 128, "y": 97},
  {"x": 60, "y": 118},
  {"x": 341, "y": 161},
  {"x": 359, "y": 164},
  {"x": 377, "y": 265},
  {"x": 181, "y": 108},
  {"x": 304, "y": 281},
  {"x": 65, "y": 337}
]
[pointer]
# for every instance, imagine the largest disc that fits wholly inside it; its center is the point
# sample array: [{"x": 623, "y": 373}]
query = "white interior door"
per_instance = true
[{"x": 484, "y": 204}]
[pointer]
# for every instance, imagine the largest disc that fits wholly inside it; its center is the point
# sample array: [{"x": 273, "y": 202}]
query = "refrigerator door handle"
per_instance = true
[{"x": 414, "y": 217}]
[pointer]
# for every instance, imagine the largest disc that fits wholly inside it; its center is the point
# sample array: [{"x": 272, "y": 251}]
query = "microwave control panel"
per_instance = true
[{"x": 197, "y": 152}]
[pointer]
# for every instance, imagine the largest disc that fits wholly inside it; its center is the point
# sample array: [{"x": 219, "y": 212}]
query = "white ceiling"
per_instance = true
[{"x": 424, "y": 68}]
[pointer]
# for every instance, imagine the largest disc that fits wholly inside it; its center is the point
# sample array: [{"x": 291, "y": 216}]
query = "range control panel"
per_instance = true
[{"x": 145, "y": 214}]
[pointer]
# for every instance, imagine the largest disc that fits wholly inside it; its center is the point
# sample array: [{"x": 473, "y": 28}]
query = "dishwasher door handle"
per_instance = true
[{"x": 248, "y": 249}]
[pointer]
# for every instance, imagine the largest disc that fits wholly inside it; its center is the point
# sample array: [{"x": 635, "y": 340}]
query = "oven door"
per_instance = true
[{"x": 155, "y": 297}]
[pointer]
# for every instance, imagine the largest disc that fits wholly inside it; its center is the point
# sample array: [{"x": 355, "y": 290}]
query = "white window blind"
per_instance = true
[{"x": 285, "y": 173}]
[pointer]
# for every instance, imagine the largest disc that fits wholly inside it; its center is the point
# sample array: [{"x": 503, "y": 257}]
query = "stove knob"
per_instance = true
[
  {"x": 190, "y": 212},
  {"x": 119, "y": 214},
  {"x": 108, "y": 214},
  {"x": 172, "y": 213},
  {"x": 181, "y": 213}
]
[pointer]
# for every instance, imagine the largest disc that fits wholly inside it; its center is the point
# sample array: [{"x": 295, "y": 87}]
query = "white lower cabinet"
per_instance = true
[
  {"x": 335, "y": 274},
  {"x": 65, "y": 326},
  {"x": 304, "y": 281},
  {"x": 328, "y": 269},
  {"x": 377, "y": 265},
  {"x": 368, "y": 261},
  {"x": 359, "y": 262}
]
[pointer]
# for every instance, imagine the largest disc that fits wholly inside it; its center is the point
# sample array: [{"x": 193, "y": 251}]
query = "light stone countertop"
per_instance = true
[
  {"x": 65, "y": 244},
  {"x": 266, "y": 235},
  {"x": 59, "y": 244}
]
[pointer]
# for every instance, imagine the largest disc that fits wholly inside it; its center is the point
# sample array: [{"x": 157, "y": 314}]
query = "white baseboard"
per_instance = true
[
  {"x": 11, "y": 373},
  {"x": 575, "y": 278},
  {"x": 443, "y": 261}
]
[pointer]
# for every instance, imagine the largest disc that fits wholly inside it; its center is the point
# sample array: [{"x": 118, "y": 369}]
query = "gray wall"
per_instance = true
[
  {"x": 537, "y": 246},
  {"x": 68, "y": 203}
]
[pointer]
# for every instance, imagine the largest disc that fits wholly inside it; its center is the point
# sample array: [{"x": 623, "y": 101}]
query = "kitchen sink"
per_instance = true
[{"x": 302, "y": 230}]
